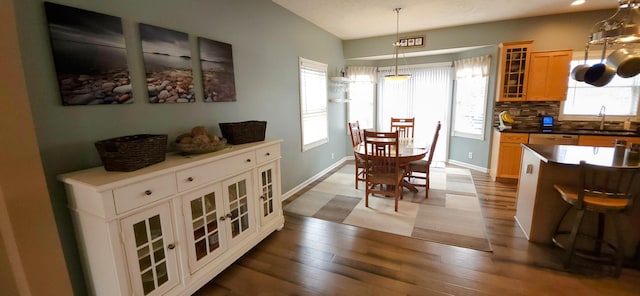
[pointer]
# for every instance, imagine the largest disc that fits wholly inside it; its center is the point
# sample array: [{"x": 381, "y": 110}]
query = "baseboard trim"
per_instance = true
[
  {"x": 468, "y": 166},
  {"x": 317, "y": 176}
]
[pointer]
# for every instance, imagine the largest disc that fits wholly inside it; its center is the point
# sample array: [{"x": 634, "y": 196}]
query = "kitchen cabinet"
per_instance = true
[
  {"x": 548, "y": 75},
  {"x": 507, "y": 157},
  {"x": 169, "y": 228},
  {"x": 514, "y": 66},
  {"x": 605, "y": 141}
]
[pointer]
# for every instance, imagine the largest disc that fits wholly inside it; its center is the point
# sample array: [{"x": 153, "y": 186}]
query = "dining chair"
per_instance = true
[
  {"x": 356, "y": 139},
  {"x": 383, "y": 172},
  {"x": 419, "y": 169},
  {"x": 607, "y": 191},
  {"x": 404, "y": 126}
]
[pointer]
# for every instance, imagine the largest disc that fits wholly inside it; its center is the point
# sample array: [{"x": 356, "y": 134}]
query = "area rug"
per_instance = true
[{"x": 451, "y": 215}]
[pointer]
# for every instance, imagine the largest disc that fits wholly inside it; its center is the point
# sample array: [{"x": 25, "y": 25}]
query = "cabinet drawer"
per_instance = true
[
  {"x": 267, "y": 153},
  {"x": 193, "y": 177},
  {"x": 514, "y": 138},
  {"x": 141, "y": 193}
]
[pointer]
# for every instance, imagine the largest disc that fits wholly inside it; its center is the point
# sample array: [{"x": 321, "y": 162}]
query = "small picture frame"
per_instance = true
[{"x": 412, "y": 41}]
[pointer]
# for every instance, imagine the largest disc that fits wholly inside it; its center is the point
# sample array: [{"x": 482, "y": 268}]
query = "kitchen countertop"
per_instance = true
[
  {"x": 585, "y": 132},
  {"x": 572, "y": 155}
]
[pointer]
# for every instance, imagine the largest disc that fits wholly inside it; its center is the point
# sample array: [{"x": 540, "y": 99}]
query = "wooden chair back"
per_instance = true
[
  {"x": 356, "y": 134},
  {"x": 381, "y": 149},
  {"x": 432, "y": 149},
  {"x": 404, "y": 126},
  {"x": 383, "y": 173},
  {"x": 619, "y": 185}
]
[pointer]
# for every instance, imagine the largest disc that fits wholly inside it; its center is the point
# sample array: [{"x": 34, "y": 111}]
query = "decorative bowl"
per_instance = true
[{"x": 199, "y": 148}]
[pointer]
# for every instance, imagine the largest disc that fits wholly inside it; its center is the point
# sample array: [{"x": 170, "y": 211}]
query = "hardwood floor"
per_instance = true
[{"x": 317, "y": 257}]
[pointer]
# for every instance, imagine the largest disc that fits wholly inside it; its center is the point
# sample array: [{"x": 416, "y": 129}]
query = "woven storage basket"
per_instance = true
[
  {"x": 129, "y": 153},
  {"x": 243, "y": 132}
]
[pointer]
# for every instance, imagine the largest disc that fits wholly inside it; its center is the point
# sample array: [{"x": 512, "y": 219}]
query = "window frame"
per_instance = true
[
  {"x": 323, "y": 111},
  {"x": 481, "y": 132}
]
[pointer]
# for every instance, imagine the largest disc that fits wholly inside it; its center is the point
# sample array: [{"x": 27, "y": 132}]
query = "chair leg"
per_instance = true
[
  {"x": 599, "y": 235},
  {"x": 572, "y": 238},
  {"x": 620, "y": 247},
  {"x": 357, "y": 176},
  {"x": 426, "y": 186}
]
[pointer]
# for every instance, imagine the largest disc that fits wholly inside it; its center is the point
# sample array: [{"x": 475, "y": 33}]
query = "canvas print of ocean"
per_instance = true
[
  {"x": 167, "y": 62},
  {"x": 216, "y": 59},
  {"x": 89, "y": 56}
]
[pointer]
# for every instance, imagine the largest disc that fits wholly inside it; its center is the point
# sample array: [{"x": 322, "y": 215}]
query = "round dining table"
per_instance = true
[{"x": 408, "y": 151}]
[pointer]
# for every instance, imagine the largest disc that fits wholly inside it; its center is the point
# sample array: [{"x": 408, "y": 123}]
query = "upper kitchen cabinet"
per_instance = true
[
  {"x": 548, "y": 75},
  {"x": 514, "y": 65}
]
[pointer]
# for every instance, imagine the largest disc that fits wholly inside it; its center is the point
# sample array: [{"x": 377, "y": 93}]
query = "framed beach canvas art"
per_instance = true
[
  {"x": 89, "y": 55},
  {"x": 218, "y": 79},
  {"x": 167, "y": 62}
]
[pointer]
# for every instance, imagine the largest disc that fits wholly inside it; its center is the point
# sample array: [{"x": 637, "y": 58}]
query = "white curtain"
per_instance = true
[
  {"x": 472, "y": 67},
  {"x": 425, "y": 96},
  {"x": 362, "y": 74}
]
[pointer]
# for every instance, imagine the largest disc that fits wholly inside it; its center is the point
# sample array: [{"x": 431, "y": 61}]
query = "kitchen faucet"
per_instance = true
[{"x": 601, "y": 114}]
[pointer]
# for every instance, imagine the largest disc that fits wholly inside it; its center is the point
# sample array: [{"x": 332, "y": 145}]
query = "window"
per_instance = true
[
  {"x": 362, "y": 93},
  {"x": 584, "y": 101},
  {"x": 313, "y": 103},
  {"x": 470, "y": 100}
]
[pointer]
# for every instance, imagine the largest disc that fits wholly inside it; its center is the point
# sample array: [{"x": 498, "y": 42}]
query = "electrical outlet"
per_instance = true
[
  {"x": 470, "y": 155},
  {"x": 332, "y": 156}
]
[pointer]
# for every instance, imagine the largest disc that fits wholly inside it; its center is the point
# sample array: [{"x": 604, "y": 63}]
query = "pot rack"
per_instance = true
[{"x": 622, "y": 28}]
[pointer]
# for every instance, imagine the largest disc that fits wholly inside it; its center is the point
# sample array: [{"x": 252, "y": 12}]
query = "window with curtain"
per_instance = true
[
  {"x": 362, "y": 95},
  {"x": 620, "y": 98},
  {"x": 425, "y": 96},
  {"x": 470, "y": 98},
  {"x": 313, "y": 103}
]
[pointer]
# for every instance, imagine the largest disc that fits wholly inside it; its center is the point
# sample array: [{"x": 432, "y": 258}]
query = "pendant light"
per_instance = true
[{"x": 396, "y": 46}]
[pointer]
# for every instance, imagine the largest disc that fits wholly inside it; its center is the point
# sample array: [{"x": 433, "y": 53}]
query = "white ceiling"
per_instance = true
[{"x": 354, "y": 19}]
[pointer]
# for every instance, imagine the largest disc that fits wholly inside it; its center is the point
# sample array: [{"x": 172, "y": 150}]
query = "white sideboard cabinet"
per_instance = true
[{"x": 169, "y": 228}]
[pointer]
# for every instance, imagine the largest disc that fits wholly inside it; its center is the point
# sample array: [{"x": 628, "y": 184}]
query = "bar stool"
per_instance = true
[{"x": 608, "y": 191}]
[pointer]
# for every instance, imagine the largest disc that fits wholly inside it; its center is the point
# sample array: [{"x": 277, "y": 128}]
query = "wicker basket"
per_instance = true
[
  {"x": 243, "y": 132},
  {"x": 129, "y": 153}
]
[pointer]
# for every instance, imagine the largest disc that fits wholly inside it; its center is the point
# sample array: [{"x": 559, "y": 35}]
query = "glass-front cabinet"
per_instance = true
[
  {"x": 268, "y": 191},
  {"x": 149, "y": 244},
  {"x": 514, "y": 67},
  {"x": 238, "y": 206},
  {"x": 170, "y": 228},
  {"x": 201, "y": 210}
]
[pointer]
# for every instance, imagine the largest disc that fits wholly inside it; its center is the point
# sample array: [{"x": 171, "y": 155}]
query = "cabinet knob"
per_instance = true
[
  {"x": 263, "y": 197},
  {"x": 190, "y": 179},
  {"x": 148, "y": 192},
  {"x": 171, "y": 246},
  {"x": 268, "y": 154},
  {"x": 222, "y": 218},
  {"x": 248, "y": 159}
]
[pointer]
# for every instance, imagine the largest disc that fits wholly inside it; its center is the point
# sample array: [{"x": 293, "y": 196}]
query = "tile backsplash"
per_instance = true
[{"x": 527, "y": 116}]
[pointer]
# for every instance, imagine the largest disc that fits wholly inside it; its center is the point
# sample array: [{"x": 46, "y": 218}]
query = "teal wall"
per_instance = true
[
  {"x": 267, "y": 41},
  {"x": 555, "y": 32}
]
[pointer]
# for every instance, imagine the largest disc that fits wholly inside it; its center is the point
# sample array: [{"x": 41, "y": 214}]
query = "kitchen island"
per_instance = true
[{"x": 539, "y": 205}]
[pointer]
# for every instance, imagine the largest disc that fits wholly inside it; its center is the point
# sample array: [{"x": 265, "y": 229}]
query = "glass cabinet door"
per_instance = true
[
  {"x": 202, "y": 209},
  {"x": 268, "y": 190},
  {"x": 238, "y": 193},
  {"x": 514, "y": 70},
  {"x": 150, "y": 250}
]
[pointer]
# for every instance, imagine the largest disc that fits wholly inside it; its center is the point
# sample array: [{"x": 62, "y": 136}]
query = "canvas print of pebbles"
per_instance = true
[
  {"x": 218, "y": 80},
  {"x": 167, "y": 61},
  {"x": 89, "y": 56}
]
